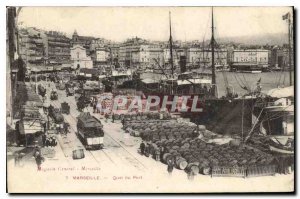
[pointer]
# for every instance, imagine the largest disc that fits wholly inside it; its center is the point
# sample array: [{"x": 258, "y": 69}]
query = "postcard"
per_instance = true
[{"x": 150, "y": 99}]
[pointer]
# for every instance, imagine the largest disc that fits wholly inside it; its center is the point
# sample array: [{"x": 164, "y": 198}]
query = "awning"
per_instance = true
[
  {"x": 50, "y": 68},
  {"x": 150, "y": 81},
  {"x": 194, "y": 81},
  {"x": 121, "y": 73},
  {"x": 58, "y": 68},
  {"x": 281, "y": 92},
  {"x": 30, "y": 127}
]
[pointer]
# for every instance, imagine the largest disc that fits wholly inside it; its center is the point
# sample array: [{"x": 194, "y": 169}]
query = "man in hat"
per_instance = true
[{"x": 142, "y": 147}]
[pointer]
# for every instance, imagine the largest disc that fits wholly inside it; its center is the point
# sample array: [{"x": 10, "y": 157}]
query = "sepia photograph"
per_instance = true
[{"x": 174, "y": 99}]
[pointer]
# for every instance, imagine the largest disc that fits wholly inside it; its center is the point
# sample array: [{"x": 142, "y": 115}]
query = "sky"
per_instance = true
[{"x": 152, "y": 23}]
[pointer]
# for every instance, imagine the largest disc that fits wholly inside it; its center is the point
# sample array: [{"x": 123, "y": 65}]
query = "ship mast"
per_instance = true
[
  {"x": 290, "y": 48},
  {"x": 171, "y": 47},
  {"x": 213, "y": 54}
]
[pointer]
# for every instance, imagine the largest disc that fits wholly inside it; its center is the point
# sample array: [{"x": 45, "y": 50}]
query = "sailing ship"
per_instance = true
[
  {"x": 170, "y": 82},
  {"x": 275, "y": 113}
]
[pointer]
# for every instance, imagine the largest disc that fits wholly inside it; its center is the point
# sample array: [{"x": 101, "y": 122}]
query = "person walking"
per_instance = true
[
  {"x": 123, "y": 121},
  {"x": 47, "y": 142},
  {"x": 191, "y": 175},
  {"x": 17, "y": 159},
  {"x": 113, "y": 117},
  {"x": 146, "y": 151},
  {"x": 38, "y": 159},
  {"x": 61, "y": 127},
  {"x": 162, "y": 151},
  {"x": 44, "y": 139},
  {"x": 106, "y": 117},
  {"x": 142, "y": 147},
  {"x": 157, "y": 154},
  {"x": 94, "y": 107},
  {"x": 53, "y": 142},
  {"x": 58, "y": 128},
  {"x": 170, "y": 166}
]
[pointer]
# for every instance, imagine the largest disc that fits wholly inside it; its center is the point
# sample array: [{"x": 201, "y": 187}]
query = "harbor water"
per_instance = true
[{"x": 268, "y": 80}]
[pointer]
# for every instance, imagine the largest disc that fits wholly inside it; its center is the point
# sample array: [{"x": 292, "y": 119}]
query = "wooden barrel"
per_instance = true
[
  {"x": 167, "y": 156},
  {"x": 78, "y": 154},
  {"x": 193, "y": 167},
  {"x": 180, "y": 163},
  {"x": 204, "y": 167},
  {"x": 205, "y": 170}
]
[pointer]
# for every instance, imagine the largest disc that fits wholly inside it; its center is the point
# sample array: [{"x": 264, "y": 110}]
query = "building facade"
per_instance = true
[
  {"x": 32, "y": 49},
  {"x": 80, "y": 58},
  {"x": 193, "y": 55},
  {"x": 253, "y": 56},
  {"x": 199, "y": 56},
  {"x": 102, "y": 55},
  {"x": 82, "y": 41},
  {"x": 141, "y": 55},
  {"x": 279, "y": 58},
  {"x": 57, "y": 48}
]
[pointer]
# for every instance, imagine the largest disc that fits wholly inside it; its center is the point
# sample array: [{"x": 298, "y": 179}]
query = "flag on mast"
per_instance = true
[{"x": 286, "y": 16}]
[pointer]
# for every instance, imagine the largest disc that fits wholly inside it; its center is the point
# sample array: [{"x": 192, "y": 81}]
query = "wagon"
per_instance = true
[{"x": 54, "y": 95}]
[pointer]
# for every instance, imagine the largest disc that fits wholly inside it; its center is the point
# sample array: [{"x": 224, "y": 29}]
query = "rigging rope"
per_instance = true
[{"x": 239, "y": 83}]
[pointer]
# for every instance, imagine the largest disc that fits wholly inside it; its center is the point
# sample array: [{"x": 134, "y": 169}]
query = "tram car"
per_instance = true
[{"x": 90, "y": 131}]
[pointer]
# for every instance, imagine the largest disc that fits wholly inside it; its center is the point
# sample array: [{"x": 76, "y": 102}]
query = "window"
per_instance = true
[{"x": 77, "y": 55}]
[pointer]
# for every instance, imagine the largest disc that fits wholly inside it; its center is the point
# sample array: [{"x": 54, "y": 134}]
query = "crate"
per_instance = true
[
  {"x": 255, "y": 171},
  {"x": 217, "y": 171}
]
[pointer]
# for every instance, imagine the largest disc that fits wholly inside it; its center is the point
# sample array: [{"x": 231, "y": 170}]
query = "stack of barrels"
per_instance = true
[
  {"x": 199, "y": 156},
  {"x": 144, "y": 116},
  {"x": 154, "y": 130},
  {"x": 180, "y": 143}
]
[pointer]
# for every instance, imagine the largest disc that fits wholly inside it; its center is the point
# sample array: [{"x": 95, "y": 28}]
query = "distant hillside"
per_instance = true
[{"x": 271, "y": 39}]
